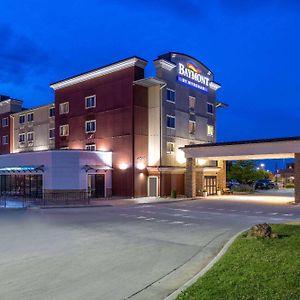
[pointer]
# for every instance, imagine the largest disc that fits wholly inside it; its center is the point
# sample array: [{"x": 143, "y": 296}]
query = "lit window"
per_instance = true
[
  {"x": 64, "y": 130},
  {"x": 5, "y": 140},
  {"x": 30, "y": 136},
  {"x": 4, "y": 122},
  {"x": 90, "y": 147},
  {"x": 170, "y": 147},
  {"x": 192, "y": 127},
  {"x": 22, "y": 119},
  {"x": 210, "y": 130},
  {"x": 22, "y": 138},
  {"x": 30, "y": 117},
  {"x": 51, "y": 112},
  {"x": 171, "y": 121},
  {"x": 51, "y": 133},
  {"x": 192, "y": 103},
  {"x": 90, "y": 101},
  {"x": 210, "y": 108},
  {"x": 90, "y": 126},
  {"x": 64, "y": 108},
  {"x": 171, "y": 97}
]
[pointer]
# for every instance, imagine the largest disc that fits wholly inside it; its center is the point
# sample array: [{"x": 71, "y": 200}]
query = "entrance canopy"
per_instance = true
[{"x": 245, "y": 150}]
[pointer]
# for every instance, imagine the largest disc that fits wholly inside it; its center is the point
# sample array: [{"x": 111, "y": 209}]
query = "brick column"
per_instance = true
[
  {"x": 222, "y": 174},
  {"x": 297, "y": 177},
  {"x": 190, "y": 178}
]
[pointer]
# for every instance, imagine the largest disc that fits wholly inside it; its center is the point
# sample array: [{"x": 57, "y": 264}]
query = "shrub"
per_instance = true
[
  {"x": 289, "y": 186},
  {"x": 173, "y": 194},
  {"x": 243, "y": 188}
]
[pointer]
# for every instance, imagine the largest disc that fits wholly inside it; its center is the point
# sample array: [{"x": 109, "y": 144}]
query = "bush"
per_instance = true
[
  {"x": 173, "y": 194},
  {"x": 289, "y": 186},
  {"x": 243, "y": 188}
]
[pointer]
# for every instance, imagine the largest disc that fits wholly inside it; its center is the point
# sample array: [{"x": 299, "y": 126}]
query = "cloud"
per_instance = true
[{"x": 19, "y": 56}]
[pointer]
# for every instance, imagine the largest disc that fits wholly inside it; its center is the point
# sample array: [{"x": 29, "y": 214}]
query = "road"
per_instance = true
[{"x": 126, "y": 252}]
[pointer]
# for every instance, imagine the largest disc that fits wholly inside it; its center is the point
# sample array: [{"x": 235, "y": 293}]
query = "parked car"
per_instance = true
[
  {"x": 232, "y": 183},
  {"x": 264, "y": 184}
]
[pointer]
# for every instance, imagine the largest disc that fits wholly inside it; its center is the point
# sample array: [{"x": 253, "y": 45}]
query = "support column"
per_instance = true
[
  {"x": 222, "y": 174},
  {"x": 297, "y": 177},
  {"x": 190, "y": 178}
]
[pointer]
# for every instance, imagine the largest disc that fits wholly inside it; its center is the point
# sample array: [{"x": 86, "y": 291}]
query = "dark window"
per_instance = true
[
  {"x": 22, "y": 119},
  {"x": 171, "y": 96},
  {"x": 210, "y": 108},
  {"x": 30, "y": 117},
  {"x": 171, "y": 122},
  {"x": 52, "y": 112}
]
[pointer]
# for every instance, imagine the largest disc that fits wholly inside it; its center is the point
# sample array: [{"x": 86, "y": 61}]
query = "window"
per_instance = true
[
  {"x": 5, "y": 140},
  {"x": 90, "y": 147},
  {"x": 51, "y": 112},
  {"x": 170, "y": 147},
  {"x": 64, "y": 130},
  {"x": 171, "y": 122},
  {"x": 171, "y": 96},
  {"x": 51, "y": 133},
  {"x": 210, "y": 108},
  {"x": 64, "y": 108},
  {"x": 30, "y": 136},
  {"x": 90, "y": 126},
  {"x": 22, "y": 138},
  {"x": 210, "y": 130},
  {"x": 192, "y": 103},
  {"x": 90, "y": 101},
  {"x": 192, "y": 127},
  {"x": 22, "y": 119},
  {"x": 30, "y": 117},
  {"x": 5, "y": 122}
]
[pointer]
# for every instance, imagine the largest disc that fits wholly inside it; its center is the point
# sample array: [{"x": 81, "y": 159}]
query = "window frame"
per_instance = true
[
  {"x": 51, "y": 129},
  {"x": 86, "y": 101},
  {"x": 5, "y": 125},
  {"x": 192, "y": 109},
  {"x": 168, "y": 100},
  {"x": 90, "y": 145},
  {"x": 30, "y": 114},
  {"x": 212, "y": 106},
  {"x": 22, "y": 116},
  {"x": 22, "y": 134},
  {"x": 60, "y": 108},
  {"x": 5, "y": 137},
  {"x": 64, "y": 126},
  {"x": 213, "y": 130},
  {"x": 167, "y": 148},
  {"x": 172, "y": 117},
  {"x": 51, "y": 109},
  {"x": 90, "y": 121},
  {"x": 28, "y": 133},
  {"x": 194, "y": 127}
]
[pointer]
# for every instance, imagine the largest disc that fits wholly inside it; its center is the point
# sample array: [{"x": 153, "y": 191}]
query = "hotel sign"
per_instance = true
[{"x": 191, "y": 75}]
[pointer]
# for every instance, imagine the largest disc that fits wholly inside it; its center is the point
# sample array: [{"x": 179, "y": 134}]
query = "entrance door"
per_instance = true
[
  {"x": 210, "y": 184},
  {"x": 152, "y": 186},
  {"x": 96, "y": 185}
]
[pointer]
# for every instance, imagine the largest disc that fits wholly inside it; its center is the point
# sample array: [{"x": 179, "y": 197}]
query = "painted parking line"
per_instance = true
[
  {"x": 149, "y": 219},
  {"x": 180, "y": 209},
  {"x": 189, "y": 224},
  {"x": 141, "y": 217},
  {"x": 274, "y": 214},
  {"x": 162, "y": 221},
  {"x": 176, "y": 222},
  {"x": 288, "y": 215}
]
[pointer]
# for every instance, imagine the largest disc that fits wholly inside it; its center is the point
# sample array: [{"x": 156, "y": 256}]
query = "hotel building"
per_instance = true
[{"x": 135, "y": 124}]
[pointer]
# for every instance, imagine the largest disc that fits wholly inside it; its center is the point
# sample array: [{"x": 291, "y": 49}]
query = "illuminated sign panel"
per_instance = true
[{"x": 191, "y": 75}]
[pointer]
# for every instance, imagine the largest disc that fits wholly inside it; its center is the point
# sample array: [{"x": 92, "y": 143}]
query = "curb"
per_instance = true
[{"x": 186, "y": 285}]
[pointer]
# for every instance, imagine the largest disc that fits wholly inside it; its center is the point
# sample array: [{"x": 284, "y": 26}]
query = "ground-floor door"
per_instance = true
[
  {"x": 210, "y": 184},
  {"x": 96, "y": 185},
  {"x": 152, "y": 186}
]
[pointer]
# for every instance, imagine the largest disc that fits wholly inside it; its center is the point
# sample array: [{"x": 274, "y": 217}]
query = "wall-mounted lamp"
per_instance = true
[
  {"x": 123, "y": 166},
  {"x": 140, "y": 164}
]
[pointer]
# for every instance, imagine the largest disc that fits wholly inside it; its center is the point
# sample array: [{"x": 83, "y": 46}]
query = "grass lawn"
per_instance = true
[{"x": 254, "y": 269}]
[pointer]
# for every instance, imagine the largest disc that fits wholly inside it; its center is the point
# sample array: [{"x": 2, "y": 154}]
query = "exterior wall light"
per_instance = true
[
  {"x": 123, "y": 166},
  {"x": 140, "y": 164}
]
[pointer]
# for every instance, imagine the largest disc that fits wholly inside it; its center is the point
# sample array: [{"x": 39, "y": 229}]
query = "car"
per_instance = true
[
  {"x": 264, "y": 184},
  {"x": 232, "y": 183}
]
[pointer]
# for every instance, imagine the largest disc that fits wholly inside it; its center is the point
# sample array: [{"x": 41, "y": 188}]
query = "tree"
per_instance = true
[{"x": 245, "y": 172}]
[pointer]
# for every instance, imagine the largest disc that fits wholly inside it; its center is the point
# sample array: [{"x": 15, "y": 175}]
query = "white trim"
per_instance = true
[
  {"x": 173, "y": 102},
  {"x": 64, "y": 126},
  {"x": 165, "y": 64},
  {"x": 213, "y": 130},
  {"x": 99, "y": 72},
  {"x": 50, "y": 108},
  {"x": 32, "y": 136},
  {"x": 89, "y": 122},
  {"x": 156, "y": 185},
  {"x": 214, "y": 86},
  {"x": 6, "y": 118},
  {"x": 28, "y": 114},
  {"x": 22, "y": 134},
  {"x": 88, "y": 145},
  {"x": 170, "y": 152},
  {"x": 85, "y": 99},
  {"x": 7, "y": 139},
  {"x": 24, "y": 119}
]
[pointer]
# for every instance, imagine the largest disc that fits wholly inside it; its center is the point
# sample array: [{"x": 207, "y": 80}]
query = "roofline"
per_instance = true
[
  {"x": 282, "y": 139},
  {"x": 67, "y": 81},
  {"x": 32, "y": 108},
  {"x": 179, "y": 53}
]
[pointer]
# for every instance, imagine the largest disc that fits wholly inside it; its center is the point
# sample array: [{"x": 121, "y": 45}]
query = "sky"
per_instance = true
[{"x": 251, "y": 46}]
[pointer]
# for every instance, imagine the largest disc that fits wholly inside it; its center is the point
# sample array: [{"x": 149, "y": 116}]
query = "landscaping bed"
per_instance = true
[{"x": 254, "y": 268}]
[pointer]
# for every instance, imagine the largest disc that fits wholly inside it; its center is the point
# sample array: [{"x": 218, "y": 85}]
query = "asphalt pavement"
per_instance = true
[{"x": 124, "y": 252}]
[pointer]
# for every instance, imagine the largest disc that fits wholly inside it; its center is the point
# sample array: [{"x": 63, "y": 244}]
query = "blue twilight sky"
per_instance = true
[{"x": 253, "y": 48}]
